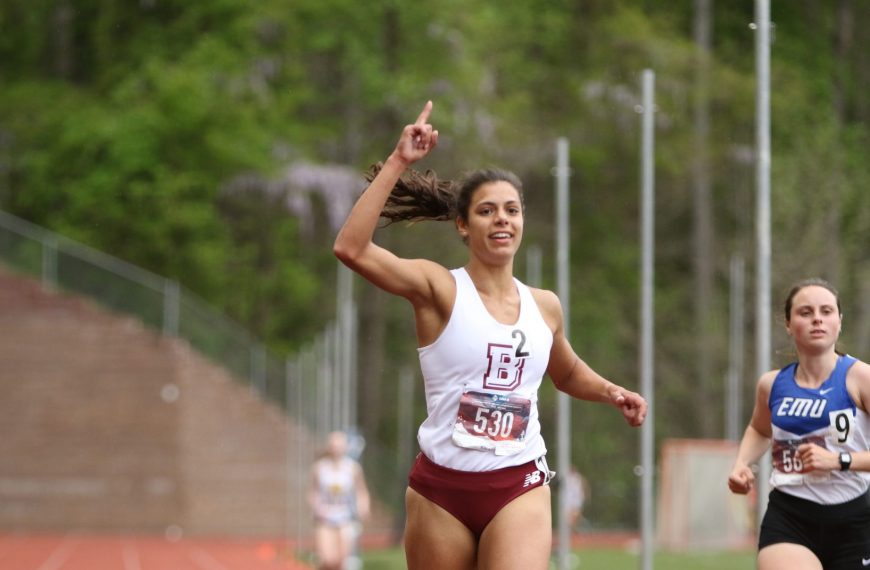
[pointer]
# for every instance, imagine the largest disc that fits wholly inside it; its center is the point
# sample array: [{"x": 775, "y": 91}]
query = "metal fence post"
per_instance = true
[
  {"x": 49, "y": 261},
  {"x": 258, "y": 369},
  {"x": 171, "y": 307}
]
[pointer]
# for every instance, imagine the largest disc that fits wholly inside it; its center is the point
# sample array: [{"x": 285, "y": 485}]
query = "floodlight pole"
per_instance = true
[
  {"x": 647, "y": 315},
  {"x": 563, "y": 401},
  {"x": 345, "y": 350},
  {"x": 733, "y": 408},
  {"x": 762, "y": 178}
]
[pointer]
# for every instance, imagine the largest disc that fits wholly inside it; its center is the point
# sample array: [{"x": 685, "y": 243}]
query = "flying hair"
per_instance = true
[
  {"x": 418, "y": 196},
  {"x": 422, "y": 196}
]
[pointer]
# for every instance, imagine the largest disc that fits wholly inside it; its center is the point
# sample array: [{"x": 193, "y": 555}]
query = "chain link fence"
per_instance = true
[{"x": 315, "y": 387}]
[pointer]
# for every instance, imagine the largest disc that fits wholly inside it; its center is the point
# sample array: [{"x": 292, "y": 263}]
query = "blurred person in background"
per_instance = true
[
  {"x": 478, "y": 494},
  {"x": 578, "y": 493},
  {"x": 814, "y": 411},
  {"x": 339, "y": 500}
]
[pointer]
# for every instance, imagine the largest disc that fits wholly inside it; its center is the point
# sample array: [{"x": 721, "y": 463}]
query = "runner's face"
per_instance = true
[
  {"x": 494, "y": 228},
  {"x": 815, "y": 321},
  {"x": 337, "y": 444}
]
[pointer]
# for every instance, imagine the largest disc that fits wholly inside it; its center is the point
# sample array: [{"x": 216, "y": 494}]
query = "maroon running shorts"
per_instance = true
[{"x": 475, "y": 497}]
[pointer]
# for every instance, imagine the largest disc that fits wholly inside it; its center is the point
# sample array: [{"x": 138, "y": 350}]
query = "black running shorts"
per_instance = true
[{"x": 839, "y": 535}]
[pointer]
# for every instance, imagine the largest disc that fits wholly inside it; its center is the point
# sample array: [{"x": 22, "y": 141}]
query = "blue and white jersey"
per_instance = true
[{"x": 826, "y": 416}]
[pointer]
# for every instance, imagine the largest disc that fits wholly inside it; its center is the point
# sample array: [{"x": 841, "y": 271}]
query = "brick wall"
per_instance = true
[{"x": 106, "y": 425}]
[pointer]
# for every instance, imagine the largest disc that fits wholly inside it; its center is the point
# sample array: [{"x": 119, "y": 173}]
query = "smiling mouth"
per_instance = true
[{"x": 501, "y": 235}]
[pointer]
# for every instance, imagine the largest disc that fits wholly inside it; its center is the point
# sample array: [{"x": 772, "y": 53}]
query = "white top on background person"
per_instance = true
[
  {"x": 339, "y": 499},
  {"x": 814, "y": 412},
  {"x": 488, "y": 213},
  {"x": 338, "y": 493},
  {"x": 336, "y": 490}
]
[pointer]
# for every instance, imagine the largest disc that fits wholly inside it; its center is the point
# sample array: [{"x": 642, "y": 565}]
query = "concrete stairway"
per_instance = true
[{"x": 107, "y": 425}]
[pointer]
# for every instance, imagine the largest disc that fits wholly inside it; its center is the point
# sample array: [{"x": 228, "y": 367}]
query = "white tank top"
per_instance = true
[
  {"x": 482, "y": 379},
  {"x": 336, "y": 488}
]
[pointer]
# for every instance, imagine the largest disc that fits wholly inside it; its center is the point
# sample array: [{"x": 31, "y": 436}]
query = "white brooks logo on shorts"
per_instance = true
[
  {"x": 534, "y": 478},
  {"x": 865, "y": 561}
]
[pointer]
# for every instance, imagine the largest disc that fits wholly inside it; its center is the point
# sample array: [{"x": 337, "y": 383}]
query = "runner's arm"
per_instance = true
[
  {"x": 354, "y": 245},
  {"x": 572, "y": 375},
  {"x": 755, "y": 441}
]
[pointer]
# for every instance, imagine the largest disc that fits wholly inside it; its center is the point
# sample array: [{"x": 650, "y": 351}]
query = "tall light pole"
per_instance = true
[
  {"x": 647, "y": 318},
  {"x": 762, "y": 214},
  {"x": 563, "y": 401}
]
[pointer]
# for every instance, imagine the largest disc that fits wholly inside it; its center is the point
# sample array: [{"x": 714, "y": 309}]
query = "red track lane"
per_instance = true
[{"x": 96, "y": 552}]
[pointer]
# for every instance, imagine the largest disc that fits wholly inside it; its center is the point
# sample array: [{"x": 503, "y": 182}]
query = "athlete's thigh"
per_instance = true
[
  {"x": 520, "y": 536},
  {"x": 346, "y": 533},
  {"x": 784, "y": 555},
  {"x": 328, "y": 543},
  {"x": 434, "y": 538}
]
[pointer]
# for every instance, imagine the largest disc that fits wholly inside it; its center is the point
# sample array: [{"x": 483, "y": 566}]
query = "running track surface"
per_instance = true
[{"x": 95, "y": 552}]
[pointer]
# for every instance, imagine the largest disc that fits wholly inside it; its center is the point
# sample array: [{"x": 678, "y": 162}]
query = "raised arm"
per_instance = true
[
  {"x": 570, "y": 374},
  {"x": 411, "y": 279}
]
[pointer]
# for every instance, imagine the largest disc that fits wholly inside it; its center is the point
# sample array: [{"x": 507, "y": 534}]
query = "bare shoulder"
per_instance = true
[
  {"x": 858, "y": 384},
  {"x": 761, "y": 412},
  {"x": 431, "y": 269},
  {"x": 549, "y": 305},
  {"x": 766, "y": 381},
  {"x": 439, "y": 281},
  {"x": 768, "y": 377},
  {"x": 860, "y": 371}
]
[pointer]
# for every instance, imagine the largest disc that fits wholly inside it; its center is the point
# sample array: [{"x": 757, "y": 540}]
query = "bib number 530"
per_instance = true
[{"x": 493, "y": 423}]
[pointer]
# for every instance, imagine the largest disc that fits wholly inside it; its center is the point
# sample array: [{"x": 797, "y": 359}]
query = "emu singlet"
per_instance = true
[
  {"x": 826, "y": 416},
  {"x": 481, "y": 379}
]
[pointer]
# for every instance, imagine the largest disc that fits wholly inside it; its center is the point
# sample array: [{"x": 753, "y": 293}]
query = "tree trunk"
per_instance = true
[
  {"x": 63, "y": 32},
  {"x": 5, "y": 167}
]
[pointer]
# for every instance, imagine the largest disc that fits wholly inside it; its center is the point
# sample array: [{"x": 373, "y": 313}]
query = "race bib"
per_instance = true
[
  {"x": 492, "y": 422},
  {"x": 787, "y": 465},
  {"x": 841, "y": 426}
]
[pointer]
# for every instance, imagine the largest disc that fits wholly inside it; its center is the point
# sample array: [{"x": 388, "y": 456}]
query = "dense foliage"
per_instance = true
[{"x": 161, "y": 131}]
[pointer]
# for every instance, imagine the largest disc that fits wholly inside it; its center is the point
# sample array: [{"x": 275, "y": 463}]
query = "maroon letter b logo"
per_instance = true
[{"x": 505, "y": 371}]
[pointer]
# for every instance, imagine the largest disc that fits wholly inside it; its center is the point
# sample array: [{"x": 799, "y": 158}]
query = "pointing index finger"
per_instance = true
[{"x": 424, "y": 115}]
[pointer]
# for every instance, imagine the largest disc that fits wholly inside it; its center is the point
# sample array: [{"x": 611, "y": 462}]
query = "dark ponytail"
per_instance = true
[
  {"x": 417, "y": 197},
  {"x": 422, "y": 196}
]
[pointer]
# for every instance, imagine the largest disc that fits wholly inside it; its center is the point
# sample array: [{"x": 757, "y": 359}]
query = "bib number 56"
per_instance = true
[{"x": 791, "y": 462}]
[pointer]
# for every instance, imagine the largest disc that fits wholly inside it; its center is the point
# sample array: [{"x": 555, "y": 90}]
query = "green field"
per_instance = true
[{"x": 604, "y": 559}]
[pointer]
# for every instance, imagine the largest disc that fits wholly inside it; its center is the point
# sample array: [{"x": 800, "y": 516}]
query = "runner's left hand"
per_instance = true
[
  {"x": 632, "y": 405},
  {"x": 817, "y": 458}
]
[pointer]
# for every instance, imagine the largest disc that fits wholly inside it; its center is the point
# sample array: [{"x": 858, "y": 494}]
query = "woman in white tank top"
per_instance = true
[
  {"x": 485, "y": 342},
  {"x": 339, "y": 500}
]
